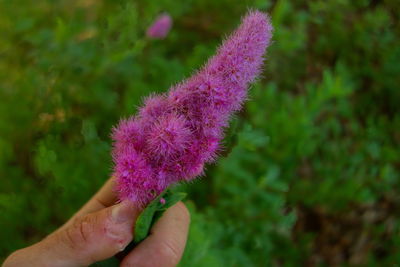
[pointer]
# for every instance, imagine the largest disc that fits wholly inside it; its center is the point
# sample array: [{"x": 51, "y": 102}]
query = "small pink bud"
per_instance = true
[{"x": 160, "y": 27}]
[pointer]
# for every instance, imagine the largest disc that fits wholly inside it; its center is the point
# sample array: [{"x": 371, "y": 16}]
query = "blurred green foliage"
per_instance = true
[{"x": 309, "y": 174}]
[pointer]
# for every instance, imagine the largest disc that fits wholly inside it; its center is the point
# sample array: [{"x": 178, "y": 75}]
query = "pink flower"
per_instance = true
[
  {"x": 160, "y": 27},
  {"x": 176, "y": 133}
]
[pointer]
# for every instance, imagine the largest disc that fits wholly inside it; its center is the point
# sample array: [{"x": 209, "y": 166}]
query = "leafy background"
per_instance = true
[{"x": 309, "y": 174}]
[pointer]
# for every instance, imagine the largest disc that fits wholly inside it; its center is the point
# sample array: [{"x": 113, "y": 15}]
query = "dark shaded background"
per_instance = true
[{"x": 310, "y": 170}]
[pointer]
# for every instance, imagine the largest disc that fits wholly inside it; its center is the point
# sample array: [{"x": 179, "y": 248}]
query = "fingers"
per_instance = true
[
  {"x": 90, "y": 238},
  {"x": 104, "y": 198},
  {"x": 99, "y": 235},
  {"x": 96, "y": 236},
  {"x": 166, "y": 243}
]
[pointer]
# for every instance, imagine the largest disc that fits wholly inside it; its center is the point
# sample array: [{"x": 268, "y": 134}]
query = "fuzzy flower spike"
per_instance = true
[{"x": 176, "y": 133}]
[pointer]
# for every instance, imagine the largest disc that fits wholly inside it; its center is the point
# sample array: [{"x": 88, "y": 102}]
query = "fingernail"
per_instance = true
[
  {"x": 122, "y": 246},
  {"x": 122, "y": 212}
]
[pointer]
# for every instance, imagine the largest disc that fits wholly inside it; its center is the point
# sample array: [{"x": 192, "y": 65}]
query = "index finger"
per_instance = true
[{"x": 105, "y": 197}]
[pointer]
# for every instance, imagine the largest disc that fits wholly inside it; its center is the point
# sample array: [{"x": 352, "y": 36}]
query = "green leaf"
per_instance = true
[
  {"x": 153, "y": 212},
  {"x": 171, "y": 198},
  {"x": 144, "y": 221}
]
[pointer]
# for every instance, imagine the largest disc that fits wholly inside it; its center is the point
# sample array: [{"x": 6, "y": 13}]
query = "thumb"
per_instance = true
[{"x": 90, "y": 238}]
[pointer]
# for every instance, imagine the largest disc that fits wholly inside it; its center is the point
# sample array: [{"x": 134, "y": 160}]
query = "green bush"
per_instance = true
[{"x": 309, "y": 174}]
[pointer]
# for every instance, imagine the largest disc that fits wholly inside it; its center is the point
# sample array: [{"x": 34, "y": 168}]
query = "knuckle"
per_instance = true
[{"x": 76, "y": 235}]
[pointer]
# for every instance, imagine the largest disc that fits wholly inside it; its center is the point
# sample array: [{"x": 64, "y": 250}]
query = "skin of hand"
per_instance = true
[{"x": 101, "y": 229}]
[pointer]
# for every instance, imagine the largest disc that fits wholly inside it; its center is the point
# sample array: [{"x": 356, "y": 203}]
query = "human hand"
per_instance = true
[{"x": 101, "y": 229}]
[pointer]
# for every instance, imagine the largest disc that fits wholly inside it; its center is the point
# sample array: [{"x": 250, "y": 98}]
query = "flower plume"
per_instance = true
[{"x": 176, "y": 133}]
